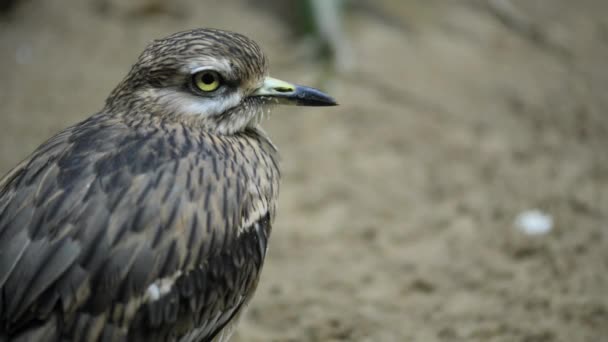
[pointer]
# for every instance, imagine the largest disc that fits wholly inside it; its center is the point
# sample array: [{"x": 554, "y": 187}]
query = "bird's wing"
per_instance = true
[{"x": 119, "y": 229}]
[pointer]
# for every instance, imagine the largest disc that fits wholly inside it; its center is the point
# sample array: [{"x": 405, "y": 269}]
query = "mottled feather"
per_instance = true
[{"x": 108, "y": 207}]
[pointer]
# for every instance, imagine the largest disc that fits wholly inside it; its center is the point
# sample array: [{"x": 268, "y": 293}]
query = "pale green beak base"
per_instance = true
[{"x": 287, "y": 93}]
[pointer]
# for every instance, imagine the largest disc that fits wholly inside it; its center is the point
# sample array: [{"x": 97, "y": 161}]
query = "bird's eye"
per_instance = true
[{"x": 207, "y": 81}]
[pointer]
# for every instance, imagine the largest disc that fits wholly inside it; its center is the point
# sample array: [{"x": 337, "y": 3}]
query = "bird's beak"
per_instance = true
[{"x": 287, "y": 93}]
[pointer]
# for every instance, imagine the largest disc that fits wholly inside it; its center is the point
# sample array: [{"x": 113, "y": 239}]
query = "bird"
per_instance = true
[{"x": 150, "y": 219}]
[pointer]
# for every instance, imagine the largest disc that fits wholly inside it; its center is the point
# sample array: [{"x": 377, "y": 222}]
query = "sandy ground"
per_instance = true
[{"x": 397, "y": 208}]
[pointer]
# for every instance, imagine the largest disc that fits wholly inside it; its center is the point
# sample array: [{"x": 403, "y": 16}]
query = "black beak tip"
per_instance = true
[
  {"x": 332, "y": 102},
  {"x": 325, "y": 102},
  {"x": 307, "y": 96}
]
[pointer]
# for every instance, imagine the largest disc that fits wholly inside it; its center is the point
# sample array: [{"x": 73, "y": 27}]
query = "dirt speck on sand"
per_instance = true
[{"x": 397, "y": 207}]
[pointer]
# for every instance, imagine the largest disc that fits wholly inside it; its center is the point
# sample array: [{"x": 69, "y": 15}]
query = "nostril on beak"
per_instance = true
[{"x": 283, "y": 89}]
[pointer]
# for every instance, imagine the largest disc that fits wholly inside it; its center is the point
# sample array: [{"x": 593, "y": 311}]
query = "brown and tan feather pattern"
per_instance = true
[{"x": 148, "y": 221}]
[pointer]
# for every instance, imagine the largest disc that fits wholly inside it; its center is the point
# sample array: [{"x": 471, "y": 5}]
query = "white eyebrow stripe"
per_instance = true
[{"x": 221, "y": 65}]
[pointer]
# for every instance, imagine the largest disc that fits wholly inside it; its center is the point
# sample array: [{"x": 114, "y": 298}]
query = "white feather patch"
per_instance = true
[
  {"x": 160, "y": 287},
  {"x": 258, "y": 209}
]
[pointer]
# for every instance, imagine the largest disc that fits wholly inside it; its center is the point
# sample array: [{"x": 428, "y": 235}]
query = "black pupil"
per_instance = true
[{"x": 208, "y": 78}]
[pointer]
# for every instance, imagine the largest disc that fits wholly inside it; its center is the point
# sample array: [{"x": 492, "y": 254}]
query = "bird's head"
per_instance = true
[{"x": 213, "y": 78}]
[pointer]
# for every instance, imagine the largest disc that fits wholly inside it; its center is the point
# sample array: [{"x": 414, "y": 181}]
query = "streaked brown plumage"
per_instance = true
[{"x": 149, "y": 220}]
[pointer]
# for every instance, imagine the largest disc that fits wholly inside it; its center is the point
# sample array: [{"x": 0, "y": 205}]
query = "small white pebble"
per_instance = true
[{"x": 534, "y": 222}]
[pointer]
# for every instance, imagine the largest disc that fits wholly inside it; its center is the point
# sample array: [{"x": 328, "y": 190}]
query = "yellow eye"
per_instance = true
[{"x": 207, "y": 81}]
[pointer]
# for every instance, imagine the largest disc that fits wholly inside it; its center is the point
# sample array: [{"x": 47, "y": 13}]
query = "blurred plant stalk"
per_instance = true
[{"x": 327, "y": 18}]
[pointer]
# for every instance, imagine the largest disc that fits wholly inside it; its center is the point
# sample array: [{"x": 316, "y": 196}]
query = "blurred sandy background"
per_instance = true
[{"x": 397, "y": 207}]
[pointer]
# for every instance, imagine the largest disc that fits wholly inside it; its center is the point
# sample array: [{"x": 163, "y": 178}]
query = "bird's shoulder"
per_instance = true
[{"x": 119, "y": 221}]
